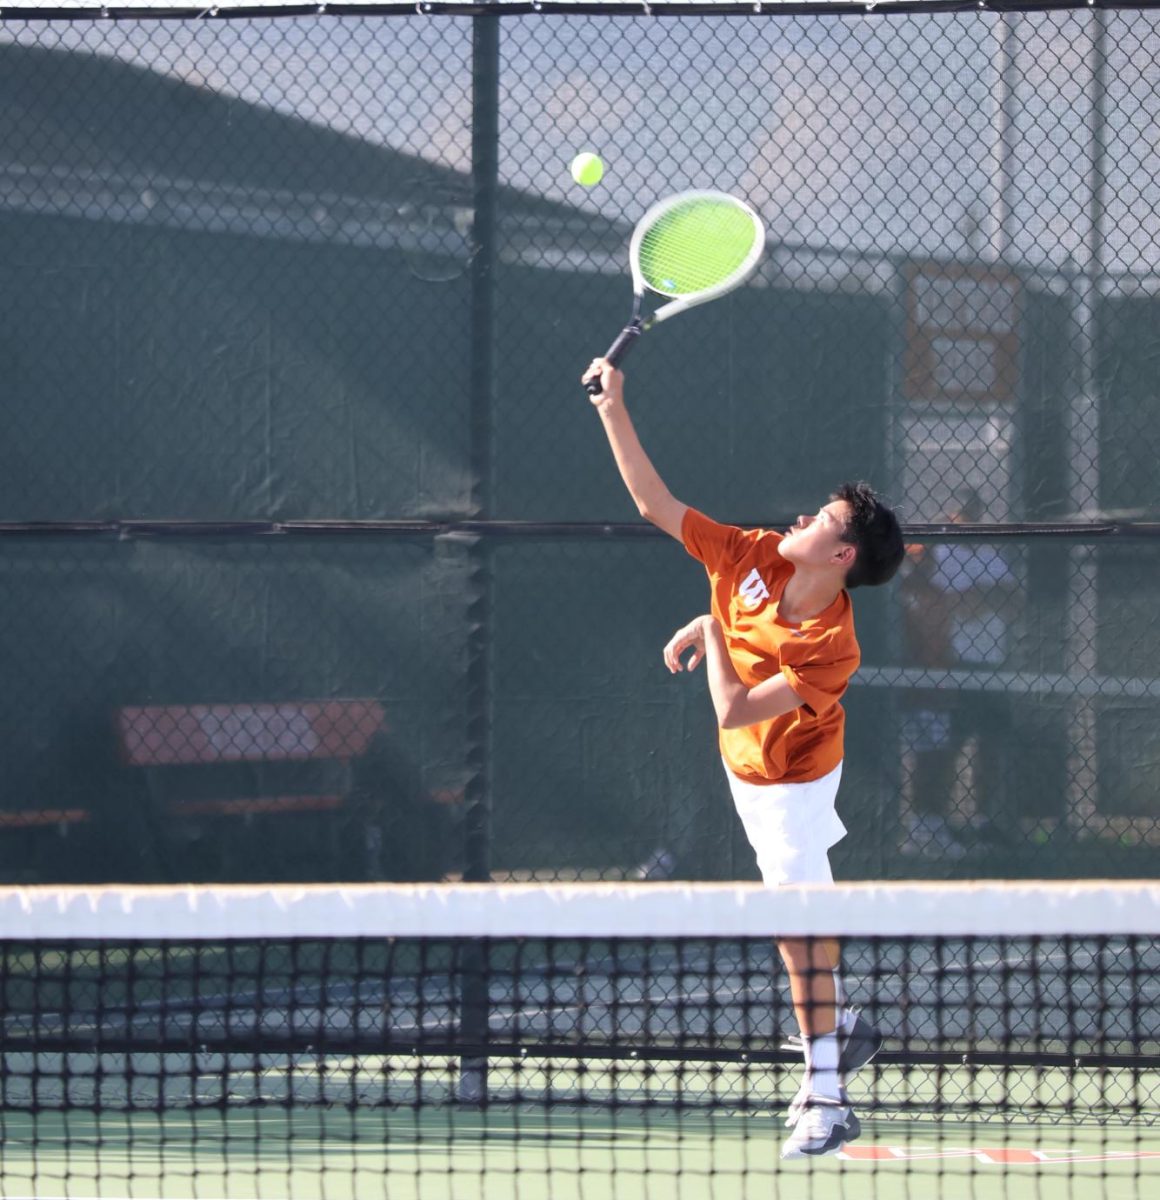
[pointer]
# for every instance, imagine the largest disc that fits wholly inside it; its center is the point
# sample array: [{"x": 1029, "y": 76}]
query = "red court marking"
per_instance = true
[
  {"x": 1006, "y": 1154},
  {"x": 904, "y": 1153},
  {"x": 992, "y": 1155}
]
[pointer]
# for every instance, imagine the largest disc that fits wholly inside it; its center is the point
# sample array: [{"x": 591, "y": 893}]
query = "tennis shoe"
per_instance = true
[
  {"x": 857, "y": 1045},
  {"x": 825, "y": 1126}
]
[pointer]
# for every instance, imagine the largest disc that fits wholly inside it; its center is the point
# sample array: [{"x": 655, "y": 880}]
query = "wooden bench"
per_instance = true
[
  {"x": 287, "y": 731},
  {"x": 184, "y": 735},
  {"x": 62, "y": 819},
  {"x": 38, "y": 844}
]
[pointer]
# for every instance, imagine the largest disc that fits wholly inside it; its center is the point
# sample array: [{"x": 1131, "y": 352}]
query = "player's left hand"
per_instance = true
[{"x": 691, "y": 636}]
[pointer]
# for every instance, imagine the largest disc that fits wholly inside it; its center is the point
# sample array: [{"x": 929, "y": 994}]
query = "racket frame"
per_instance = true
[
  {"x": 680, "y": 304},
  {"x": 638, "y": 324}
]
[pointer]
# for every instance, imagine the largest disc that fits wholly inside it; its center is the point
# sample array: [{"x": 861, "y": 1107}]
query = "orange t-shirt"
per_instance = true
[{"x": 747, "y": 576}]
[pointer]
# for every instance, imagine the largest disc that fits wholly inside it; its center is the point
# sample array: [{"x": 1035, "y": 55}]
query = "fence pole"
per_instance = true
[
  {"x": 478, "y": 799},
  {"x": 1084, "y": 459}
]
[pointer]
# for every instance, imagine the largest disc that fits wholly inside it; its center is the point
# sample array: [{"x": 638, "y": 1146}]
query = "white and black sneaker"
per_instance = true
[
  {"x": 824, "y": 1126},
  {"x": 858, "y": 1043}
]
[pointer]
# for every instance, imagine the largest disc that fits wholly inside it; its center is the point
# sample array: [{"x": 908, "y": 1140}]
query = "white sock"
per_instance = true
[{"x": 822, "y": 1065}]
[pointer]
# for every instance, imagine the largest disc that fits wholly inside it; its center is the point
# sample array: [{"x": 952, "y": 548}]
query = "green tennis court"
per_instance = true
[{"x": 566, "y": 1156}]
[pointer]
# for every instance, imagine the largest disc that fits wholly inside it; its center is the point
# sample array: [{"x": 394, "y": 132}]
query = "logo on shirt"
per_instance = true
[{"x": 753, "y": 590}]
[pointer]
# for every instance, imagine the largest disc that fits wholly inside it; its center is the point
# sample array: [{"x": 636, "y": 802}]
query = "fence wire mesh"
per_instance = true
[{"x": 316, "y": 563}]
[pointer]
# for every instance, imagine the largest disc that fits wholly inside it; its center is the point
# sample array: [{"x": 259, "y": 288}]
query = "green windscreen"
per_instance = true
[{"x": 698, "y": 244}]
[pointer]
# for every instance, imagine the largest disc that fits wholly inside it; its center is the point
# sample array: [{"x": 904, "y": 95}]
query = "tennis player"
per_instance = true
[{"x": 779, "y": 649}]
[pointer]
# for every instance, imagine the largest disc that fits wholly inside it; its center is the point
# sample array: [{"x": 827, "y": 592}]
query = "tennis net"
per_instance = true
[{"x": 570, "y": 1040}]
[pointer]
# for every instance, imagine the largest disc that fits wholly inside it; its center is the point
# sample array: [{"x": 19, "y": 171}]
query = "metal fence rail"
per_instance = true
[{"x": 294, "y": 304}]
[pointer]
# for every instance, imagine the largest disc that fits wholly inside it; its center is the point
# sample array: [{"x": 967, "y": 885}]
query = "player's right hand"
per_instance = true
[{"x": 611, "y": 382}]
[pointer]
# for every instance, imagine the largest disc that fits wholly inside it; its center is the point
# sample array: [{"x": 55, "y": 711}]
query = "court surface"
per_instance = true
[{"x": 455, "y": 1154}]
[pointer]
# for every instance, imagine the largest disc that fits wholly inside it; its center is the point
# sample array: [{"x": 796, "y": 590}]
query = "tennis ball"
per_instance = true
[{"x": 587, "y": 169}]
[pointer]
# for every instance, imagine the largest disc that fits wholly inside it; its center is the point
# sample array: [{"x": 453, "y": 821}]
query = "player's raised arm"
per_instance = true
[{"x": 653, "y": 499}]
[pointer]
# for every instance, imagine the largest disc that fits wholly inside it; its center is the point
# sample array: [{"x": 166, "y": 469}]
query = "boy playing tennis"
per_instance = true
[{"x": 779, "y": 649}]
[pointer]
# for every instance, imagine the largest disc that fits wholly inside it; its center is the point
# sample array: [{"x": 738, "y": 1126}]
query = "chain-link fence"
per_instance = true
[{"x": 316, "y": 562}]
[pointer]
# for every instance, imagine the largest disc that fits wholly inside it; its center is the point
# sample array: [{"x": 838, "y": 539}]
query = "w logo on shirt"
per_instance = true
[{"x": 753, "y": 589}]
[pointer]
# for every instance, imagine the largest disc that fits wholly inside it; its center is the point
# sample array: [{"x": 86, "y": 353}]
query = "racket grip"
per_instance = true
[{"x": 625, "y": 340}]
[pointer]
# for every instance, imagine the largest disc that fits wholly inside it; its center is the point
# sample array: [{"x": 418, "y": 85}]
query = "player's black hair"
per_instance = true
[{"x": 874, "y": 532}]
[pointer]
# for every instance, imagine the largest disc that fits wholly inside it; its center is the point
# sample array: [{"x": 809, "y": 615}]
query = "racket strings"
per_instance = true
[{"x": 696, "y": 246}]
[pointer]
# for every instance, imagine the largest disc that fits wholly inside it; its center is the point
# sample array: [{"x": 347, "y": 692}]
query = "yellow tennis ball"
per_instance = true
[{"x": 587, "y": 169}]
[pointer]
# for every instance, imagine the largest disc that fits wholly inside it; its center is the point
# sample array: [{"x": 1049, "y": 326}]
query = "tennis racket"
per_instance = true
[{"x": 692, "y": 248}]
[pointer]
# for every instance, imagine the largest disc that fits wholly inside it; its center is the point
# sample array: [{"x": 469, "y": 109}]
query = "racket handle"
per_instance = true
[{"x": 623, "y": 344}]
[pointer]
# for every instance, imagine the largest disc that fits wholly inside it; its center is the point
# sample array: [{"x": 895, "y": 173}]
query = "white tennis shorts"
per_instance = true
[{"x": 791, "y": 826}]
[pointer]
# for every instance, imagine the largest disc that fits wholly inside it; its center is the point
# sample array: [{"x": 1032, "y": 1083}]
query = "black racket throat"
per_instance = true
[{"x": 625, "y": 340}]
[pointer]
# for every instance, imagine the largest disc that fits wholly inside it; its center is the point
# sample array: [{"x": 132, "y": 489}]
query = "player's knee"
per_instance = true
[{"x": 797, "y": 954}]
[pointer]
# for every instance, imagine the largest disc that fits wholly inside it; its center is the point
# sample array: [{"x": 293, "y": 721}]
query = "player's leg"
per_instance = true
[
  {"x": 791, "y": 827},
  {"x": 836, "y": 1040},
  {"x": 821, "y": 1118},
  {"x": 812, "y": 965}
]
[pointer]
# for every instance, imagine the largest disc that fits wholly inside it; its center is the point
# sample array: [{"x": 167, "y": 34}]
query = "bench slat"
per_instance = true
[
  {"x": 169, "y": 735},
  {"x": 255, "y": 804},
  {"x": 29, "y": 818}
]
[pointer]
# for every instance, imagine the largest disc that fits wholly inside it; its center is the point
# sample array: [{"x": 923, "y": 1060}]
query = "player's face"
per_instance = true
[{"x": 814, "y": 541}]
